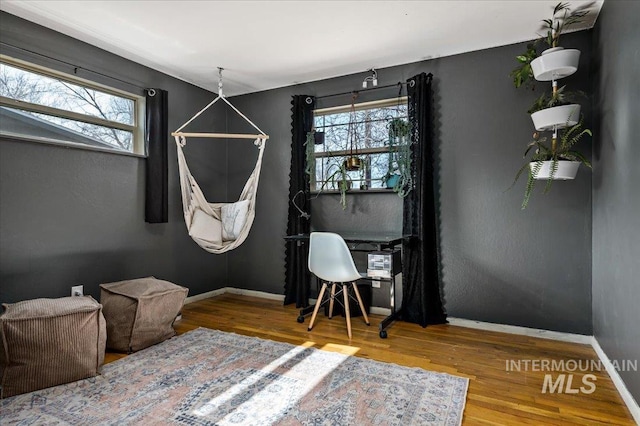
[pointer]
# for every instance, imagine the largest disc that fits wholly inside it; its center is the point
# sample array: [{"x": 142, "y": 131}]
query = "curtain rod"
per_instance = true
[
  {"x": 362, "y": 90},
  {"x": 75, "y": 67},
  {"x": 430, "y": 76}
]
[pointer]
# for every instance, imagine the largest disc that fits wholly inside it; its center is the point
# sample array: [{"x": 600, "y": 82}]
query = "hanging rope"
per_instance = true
[{"x": 351, "y": 129}]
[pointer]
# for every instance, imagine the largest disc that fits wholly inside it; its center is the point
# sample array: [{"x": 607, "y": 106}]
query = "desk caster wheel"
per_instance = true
[
  {"x": 300, "y": 319},
  {"x": 383, "y": 334}
]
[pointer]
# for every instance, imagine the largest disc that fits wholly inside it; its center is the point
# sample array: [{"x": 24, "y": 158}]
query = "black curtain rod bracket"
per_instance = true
[{"x": 75, "y": 68}]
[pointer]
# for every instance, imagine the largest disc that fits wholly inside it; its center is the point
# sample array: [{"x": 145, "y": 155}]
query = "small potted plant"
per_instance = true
[
  {"x": 338, "y": 179},
  {"x": 555, "y": 62},
  {"x": 559, "y": 161},
  {"x": 318, "y": 137},
  {"x": 353, "y": 161},
  {"x": 398, "y": 129},
  {"x": 555, "y": 109}
]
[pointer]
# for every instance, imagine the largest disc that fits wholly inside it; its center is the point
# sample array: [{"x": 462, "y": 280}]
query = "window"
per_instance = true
[
  {"x": 371, "y": 122},
  {"x": 43, "y": 105}
]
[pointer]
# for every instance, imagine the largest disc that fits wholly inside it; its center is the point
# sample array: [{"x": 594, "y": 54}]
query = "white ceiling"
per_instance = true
[{"x": 268, "y": 44}]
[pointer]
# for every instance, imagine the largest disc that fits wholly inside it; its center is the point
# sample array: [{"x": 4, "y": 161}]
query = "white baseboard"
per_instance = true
[
  {"x": 376, "y": 310},
  {"x": 203, "y": 296},
  {"x": 233, "y": 290},
  {"x": 255, "y": 293},
  {"x": 628, "y": 399},
  {"x": 524, "y": 331}
]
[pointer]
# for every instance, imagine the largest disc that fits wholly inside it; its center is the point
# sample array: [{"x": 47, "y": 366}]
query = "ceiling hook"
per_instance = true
[{"x": 220, "y": 69}]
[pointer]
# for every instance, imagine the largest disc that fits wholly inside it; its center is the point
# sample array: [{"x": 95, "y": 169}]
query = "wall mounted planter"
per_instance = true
[
  {"x": 555, "y": 63},
  {"x": 560, "y": 116},
  {"x": 550, "y": 156},
  {"x": 566, "y": 170}
]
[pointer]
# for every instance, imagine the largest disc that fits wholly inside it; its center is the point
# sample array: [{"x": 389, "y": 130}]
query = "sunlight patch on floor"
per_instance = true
[
  {"x": 278, "y": 392},
  {"x": 341, "y": 349}
]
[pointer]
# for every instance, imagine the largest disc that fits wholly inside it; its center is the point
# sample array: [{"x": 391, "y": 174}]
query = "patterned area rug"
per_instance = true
[{"x": 208, "y": 377}]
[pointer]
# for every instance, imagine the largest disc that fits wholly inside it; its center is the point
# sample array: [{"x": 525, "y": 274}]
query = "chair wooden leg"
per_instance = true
[
  {"x": 333, "y": 295},
  {"x": 347, "y": 313},
  {"x": 364, "y": 312},
  {"x": 318, "y": 303}
]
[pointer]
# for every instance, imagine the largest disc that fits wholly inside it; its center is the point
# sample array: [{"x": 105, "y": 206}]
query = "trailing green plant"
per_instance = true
[
  {"x": 399, "y": 157},
  {"x": 558, "y": 151},
  {"x": 339, "y": 179},
  {"x": 554, "y": 27},
  {"x": 398, "y": 128},
  {"x": 310, "y": 153},
  {"x": 523, "y": 74}
]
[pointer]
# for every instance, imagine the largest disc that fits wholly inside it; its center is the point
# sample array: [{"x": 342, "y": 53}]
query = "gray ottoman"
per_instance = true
[
  {"x": 48, "y": 342},
  {"x": 140, "y": 312}
]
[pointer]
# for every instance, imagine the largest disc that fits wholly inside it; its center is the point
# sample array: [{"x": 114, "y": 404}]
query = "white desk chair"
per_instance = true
[{"x": 331, "y": 261}]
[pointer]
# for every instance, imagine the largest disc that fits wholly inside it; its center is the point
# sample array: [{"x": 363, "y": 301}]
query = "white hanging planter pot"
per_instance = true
[
  {"x": 555, "y": 63},
  {"x": 560, "y": 117},
  {"x": 566, "y": 170}
]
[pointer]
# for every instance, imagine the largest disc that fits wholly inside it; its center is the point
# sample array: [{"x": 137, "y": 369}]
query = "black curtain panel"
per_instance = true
[
  {"x": 421, "y": 282},
  {"x": 157, "y": 163},
  {"x": 297, "y": 275}
]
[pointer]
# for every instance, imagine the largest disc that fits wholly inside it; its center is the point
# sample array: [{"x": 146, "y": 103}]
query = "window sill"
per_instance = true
[
  {"x": 34, "y": 139},
  {"x": 355, "y": 191}
]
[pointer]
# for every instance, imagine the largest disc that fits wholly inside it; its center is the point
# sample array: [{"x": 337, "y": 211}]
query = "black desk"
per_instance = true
[
  {"x": 359, "y": 241},
  {"x": 366, "y": 242}
]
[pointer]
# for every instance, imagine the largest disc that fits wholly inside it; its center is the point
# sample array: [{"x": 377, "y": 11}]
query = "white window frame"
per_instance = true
[
  {"x": 389, "y": 102},
  {"x": 137, "y": 129}
]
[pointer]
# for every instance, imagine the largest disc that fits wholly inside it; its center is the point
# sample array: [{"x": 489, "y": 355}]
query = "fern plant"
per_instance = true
[{"x": 541, "y": 152}]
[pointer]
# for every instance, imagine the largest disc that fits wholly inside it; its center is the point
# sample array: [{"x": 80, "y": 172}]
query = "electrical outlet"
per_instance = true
[{"x": 77, "y": 290}]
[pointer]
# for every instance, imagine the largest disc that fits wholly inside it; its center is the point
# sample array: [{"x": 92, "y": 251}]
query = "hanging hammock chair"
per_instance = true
[{"x": 218, "y": 227}]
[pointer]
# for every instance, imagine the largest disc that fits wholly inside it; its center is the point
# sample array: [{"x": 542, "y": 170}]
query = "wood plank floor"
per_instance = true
[{"x": 496, "y": 396}]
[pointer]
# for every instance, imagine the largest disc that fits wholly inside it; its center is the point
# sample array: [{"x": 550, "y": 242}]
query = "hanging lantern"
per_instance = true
[{"x": 353, "y": 163}]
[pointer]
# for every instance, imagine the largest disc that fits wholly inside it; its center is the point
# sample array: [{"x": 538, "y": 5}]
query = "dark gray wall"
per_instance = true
[
  {"x": 616, "y": 179},
  {"x": 72, "y": 216},
  {"x": 76, "y": 217},
  {"x": 529, "y": 268}
]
